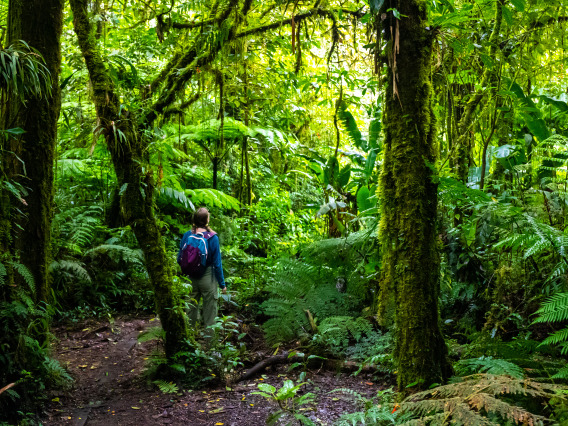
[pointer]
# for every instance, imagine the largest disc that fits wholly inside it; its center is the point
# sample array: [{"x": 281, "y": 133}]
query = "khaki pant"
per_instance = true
[{"x": 207, "y": 288}]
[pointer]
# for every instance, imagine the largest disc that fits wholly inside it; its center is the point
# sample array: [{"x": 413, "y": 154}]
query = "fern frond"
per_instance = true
[
  {"x": 554, "y": 309},
  {"x": 475, "y": 399},
  {"x": 489, "y": 365},
  {"x": 561, "y": 374},
  {"x": 213, "y": 197},
  {"x": 166, "y": 387},
  {"x": 56, "y": 373},
  {"x": 557, "y": 337},
  {"x": 118, "y": 253},
  {"x": 25, "y": 274},
  {"x": 173, "y": 196},
  {"x": 154, "y": 333},
  {"x": 70, "y": 268}
]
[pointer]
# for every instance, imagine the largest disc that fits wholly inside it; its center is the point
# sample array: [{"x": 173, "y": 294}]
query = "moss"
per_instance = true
[
  {"x": 36, "y": 147},
  {"x": 409, "y": 285},
  {"x": 137, "y": 201}
]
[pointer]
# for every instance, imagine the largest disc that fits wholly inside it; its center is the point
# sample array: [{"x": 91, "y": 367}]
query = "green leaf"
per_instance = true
[
  {"x": 518, "y": 4},
  {"x": 376, "y": 5},
  {"x": 363, "y": 202},
  {"x": 265, "y": 387},
  {"x": 507, "y": 15},
  {"x": 539, "y": 129},
  {"x": 344, "y": 175}
]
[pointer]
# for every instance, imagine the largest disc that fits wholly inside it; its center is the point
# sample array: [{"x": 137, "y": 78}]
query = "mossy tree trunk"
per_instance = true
[
  {"x": 126, "y": 146},
  {"x": 39, "y": 23},
  {"x": 409, "y": 286}
]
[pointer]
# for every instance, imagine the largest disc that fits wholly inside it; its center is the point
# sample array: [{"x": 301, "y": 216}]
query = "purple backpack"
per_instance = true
[{"x": 193, "y": 254}]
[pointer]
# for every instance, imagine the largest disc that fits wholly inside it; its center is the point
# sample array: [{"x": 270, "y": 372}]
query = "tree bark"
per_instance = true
[
  {"x": 126, "y": 146},
  {"x": 39, "y": 23},
  {"x": 410, "y": 277}
]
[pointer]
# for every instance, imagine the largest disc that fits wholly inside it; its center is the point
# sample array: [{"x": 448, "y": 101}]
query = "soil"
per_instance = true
[{"x": 107, "y": 363}]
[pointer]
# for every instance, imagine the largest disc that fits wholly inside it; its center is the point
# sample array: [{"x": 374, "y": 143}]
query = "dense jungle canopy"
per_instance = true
[{"x": 388, "y": 180}]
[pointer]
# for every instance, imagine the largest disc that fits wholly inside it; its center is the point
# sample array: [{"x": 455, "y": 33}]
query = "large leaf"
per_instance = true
[
  {"x": 539, "y": 129},
  {"x": 351, "y": 127},
  {"x": 364, "y": 200},
  {"x": 343, "y": 178},
  {"x": 213, "y": 197},
  {"x": 562, "y": 106}
]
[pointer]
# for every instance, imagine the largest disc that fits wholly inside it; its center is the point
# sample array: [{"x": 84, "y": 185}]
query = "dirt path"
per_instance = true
[{"x": 107, "y": 363}]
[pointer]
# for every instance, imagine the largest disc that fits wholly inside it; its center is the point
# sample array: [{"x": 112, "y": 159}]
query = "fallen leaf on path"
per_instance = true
[{"x": 135, "y": 408}]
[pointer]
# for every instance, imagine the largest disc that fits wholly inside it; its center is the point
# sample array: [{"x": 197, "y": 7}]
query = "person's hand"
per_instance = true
[{"x": 224, "y": 290}]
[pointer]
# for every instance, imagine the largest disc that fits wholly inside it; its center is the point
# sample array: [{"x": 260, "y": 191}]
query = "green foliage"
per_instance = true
[
  {"x": 339, "y": 333},
  {"x": 380, "y": 410},
  {"x": 481, "y": 399},
  {"x": 300, "y": 288},
  {"x": 288, "y": 401},
  {"x": 555, "y": 309},
  {"x": 23, "y": 72},
  {"x": 489, "y": 365},
  {"x": 213, "y": 198},
  {"x": 166, "y": 387},
  {"x": 24, "y": 355}
]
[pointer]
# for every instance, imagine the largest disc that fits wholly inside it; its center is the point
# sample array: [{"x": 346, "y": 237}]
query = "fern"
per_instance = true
[
  {"x": 380, "y": 410},
  {"x": 55, "y": 373},
  {"x": 476, "y": 399},
  {"x": 299, "y": 287},
  {"x": 166, "y": 387},
  {"x": 489, "y": 365},
  {"x": 174, "y": 196},
  {"x": 154, "y": 333},
  {"x": 25, "y": 274},
  {"x": 118, "y": 253},
  {"x": 67, "y": 270},
  {"x": 555, "y": 309}
]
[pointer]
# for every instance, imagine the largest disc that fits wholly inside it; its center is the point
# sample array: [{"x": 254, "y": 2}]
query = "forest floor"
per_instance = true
[{"x": 107, "y": 363}]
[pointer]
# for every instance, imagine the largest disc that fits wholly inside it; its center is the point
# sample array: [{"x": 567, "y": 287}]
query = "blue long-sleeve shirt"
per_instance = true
[{"x": 213, "y": 256}]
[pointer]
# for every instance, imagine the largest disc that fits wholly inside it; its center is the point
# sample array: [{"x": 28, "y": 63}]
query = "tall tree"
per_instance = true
[
  {"x": 126, "y": 146},
  {"x": 410, "y": 278},
  {"x": 39, "y": 23}
]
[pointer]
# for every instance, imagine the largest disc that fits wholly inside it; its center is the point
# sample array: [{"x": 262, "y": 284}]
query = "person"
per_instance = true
[{"x": 205, "y": 287}]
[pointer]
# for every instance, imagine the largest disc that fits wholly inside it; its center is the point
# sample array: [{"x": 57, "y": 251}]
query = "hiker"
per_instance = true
[{"x": 200, "y": 259}]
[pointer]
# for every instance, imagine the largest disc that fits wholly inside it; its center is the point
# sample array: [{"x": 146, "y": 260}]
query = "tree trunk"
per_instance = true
[
  {"x": 39, "y": 23},
  {"x": 127, "y": 150},
  {"x": 410, "y": 278},
  {"x": 216, "y": 160}
]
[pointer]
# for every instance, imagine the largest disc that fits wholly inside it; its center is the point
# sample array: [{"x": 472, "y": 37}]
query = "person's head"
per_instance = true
[{"x": 201, "y": 219}]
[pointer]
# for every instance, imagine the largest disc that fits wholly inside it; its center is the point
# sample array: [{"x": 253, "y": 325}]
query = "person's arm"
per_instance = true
[{"x": 216, "y": 260}]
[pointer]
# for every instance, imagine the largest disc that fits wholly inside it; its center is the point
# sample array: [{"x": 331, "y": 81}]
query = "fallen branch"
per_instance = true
[
  {"x": 327, "y": 363},
  {"x": 5, "y": 388}
]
